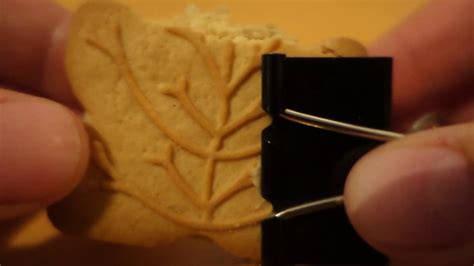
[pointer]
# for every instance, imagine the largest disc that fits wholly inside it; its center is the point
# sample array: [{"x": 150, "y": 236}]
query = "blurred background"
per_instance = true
[
  {"x": 33, "y": 241},
  {"x": 306, "y": 20}
]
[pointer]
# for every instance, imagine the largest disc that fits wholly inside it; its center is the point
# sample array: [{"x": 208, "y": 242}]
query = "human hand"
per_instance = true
[
  {"x": 413, "y": 199},
  {"x": 43, "y": 144}
]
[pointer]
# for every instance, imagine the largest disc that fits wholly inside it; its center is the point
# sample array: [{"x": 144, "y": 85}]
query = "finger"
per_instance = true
[
  {"x": 413, "y": 199},
  {"x": 33, "y": 34},
  {"x": 433, "y": 59},
  {"x": 43, "y": 152}
]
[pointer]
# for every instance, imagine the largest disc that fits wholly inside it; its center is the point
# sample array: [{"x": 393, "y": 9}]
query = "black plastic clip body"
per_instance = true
[{"x": 302, "y": 164}]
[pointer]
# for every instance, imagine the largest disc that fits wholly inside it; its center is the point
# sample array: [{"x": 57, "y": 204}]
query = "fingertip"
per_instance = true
[
  {"x": 43, "y": 150},
  {"x": 433, "y": 60},
  {"x": 412, "y": 201},
  {"x": 25, "y": 35}
]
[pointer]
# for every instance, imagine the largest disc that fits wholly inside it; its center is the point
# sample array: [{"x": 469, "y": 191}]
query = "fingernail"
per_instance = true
[
  {"x": 55, "y": 83},
  {"x": 41, "y": 152},
  {"x": 414, "y": 198}
]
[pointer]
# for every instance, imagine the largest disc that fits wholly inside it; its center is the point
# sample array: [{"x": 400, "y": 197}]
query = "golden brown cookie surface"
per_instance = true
[{"x": 173, "y": 111}]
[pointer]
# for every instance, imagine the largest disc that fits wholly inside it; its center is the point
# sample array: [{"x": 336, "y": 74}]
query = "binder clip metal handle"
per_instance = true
[
  {"x": 335, "y": 126},
  {"x": 340, "y": 127}
]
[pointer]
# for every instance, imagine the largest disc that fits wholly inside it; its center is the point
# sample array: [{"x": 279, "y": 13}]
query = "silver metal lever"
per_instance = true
[
  {"x": 335, "y": 126},
  {"x": 340, "y": 127},
  {"x": 310, "y": 207}
]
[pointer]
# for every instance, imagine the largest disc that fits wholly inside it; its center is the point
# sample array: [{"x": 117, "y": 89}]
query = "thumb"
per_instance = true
[
  {"x": 43, "y": 152},
  {"x": 413, "y": 199}
]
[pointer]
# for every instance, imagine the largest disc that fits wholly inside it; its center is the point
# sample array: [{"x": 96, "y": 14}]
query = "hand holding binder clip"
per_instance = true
[
  {"x": 429, "y": 120},
  {"x": 327, "y": 113}
]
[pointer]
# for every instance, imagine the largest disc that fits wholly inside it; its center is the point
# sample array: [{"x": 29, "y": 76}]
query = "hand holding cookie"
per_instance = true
[{"x": 43, "y": 144}]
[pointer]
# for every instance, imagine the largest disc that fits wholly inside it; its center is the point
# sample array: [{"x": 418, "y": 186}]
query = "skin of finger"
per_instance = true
[
  {"x": 461, "y": 255},
  {"x": 32, "y": 34},
  {"x": 39, "y": 180},
  {"x": 55, "y": 82},
  {"x": 459, "y": 139},
  {"x": 433, "y": 60},
  {"x": 9, "y": 212}
]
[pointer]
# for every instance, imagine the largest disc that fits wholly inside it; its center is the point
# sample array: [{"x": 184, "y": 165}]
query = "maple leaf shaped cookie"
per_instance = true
[{"x": 173, "y": 111}]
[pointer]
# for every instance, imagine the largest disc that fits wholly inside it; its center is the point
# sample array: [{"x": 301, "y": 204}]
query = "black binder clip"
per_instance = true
[{"x": 327, "y": 113}]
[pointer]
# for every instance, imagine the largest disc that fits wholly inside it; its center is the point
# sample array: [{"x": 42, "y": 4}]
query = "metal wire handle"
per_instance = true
[
  {"x": 340, "y": 127},
  {"x": 310, "y": 207},
  {"x": 335, "y": 126}
]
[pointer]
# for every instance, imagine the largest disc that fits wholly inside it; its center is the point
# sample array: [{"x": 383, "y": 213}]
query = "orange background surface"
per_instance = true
[
  {"x": 306, "y": 20},
  {"x": 33, "y": 241}
]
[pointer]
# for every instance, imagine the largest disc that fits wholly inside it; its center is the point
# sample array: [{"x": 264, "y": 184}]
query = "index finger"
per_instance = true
[
  {"x": 32, "y": 37},
  {"x": 433, "y": 59}
]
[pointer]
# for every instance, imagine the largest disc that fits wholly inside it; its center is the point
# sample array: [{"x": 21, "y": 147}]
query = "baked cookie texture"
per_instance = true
[{"x": 173, "y": 113}]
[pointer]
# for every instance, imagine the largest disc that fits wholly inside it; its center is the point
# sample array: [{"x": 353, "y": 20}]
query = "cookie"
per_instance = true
[{"x": 174, "y": 117}]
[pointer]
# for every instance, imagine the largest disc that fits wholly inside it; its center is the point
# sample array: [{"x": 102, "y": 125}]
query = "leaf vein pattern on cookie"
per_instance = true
[{"x": 226, "y": 84}]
